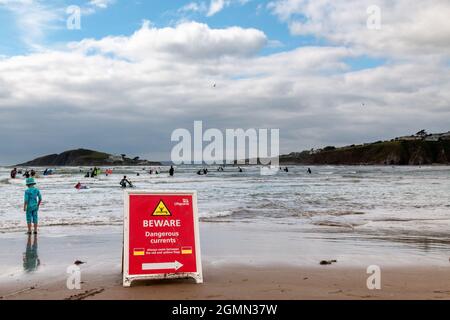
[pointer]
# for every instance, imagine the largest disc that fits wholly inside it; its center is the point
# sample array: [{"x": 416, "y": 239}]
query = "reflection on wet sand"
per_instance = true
[{"x": 31, "y": 260}]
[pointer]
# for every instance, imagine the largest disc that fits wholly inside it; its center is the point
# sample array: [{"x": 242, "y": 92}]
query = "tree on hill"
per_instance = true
[{"x": 422, "y": 133}]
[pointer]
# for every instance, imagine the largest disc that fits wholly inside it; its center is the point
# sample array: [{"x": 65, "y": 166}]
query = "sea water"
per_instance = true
[{"x": 384, "y": 202}]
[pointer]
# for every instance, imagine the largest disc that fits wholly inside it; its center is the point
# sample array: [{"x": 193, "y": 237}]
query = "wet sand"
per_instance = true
[
  {"x": 238, "y": 262},
  {"x": 243, "y": 282}
]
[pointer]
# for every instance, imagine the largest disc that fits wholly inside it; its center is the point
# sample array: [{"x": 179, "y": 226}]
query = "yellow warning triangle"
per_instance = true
[{"x": 161, "y": 210}]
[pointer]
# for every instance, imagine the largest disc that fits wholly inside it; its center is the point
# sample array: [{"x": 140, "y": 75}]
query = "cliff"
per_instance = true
[{"x": 419, "y": 152}]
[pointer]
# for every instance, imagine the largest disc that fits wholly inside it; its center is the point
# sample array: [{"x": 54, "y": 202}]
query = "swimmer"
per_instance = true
[{"x": 124, "y": 181}]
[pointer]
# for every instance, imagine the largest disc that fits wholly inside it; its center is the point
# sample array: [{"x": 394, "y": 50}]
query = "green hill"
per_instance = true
[
  {"x": 418, "y": 152},
  {"x": 84, "y": 157}
]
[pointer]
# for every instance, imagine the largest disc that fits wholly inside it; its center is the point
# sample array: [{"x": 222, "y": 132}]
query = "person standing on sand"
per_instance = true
[{"x": 32, "y": 202}]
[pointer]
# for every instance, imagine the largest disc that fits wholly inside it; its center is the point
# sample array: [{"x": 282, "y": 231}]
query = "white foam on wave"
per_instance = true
[{"x": 296, "y": 198}]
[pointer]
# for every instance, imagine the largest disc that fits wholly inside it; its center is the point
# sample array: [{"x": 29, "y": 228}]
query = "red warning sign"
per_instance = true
[{"x": 161, "y": 237}]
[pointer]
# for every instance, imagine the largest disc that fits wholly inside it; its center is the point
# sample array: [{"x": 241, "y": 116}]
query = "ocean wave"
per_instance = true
[
  {"x": 408, "y": 219},
  {"x": 4, "y": 181},
  {"x": 216, "y": 214},
  {"x": 15, "y": 226},
  {"x": 327, "y": 223}
]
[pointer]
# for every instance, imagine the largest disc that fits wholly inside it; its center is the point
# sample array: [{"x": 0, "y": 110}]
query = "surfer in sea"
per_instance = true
[{"x": 124, "y": 182}]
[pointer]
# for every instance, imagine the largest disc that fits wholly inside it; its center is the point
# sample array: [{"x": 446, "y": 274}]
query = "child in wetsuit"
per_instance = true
[{"x": 32, "y": 201}]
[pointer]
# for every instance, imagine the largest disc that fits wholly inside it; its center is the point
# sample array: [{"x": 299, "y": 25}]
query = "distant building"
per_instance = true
[
  {"x": 115, "y": 158},
  {"x": 409, "y": 138},
  {"x": 426, "y": 137},
  {"x": 433, "y": 137},
  {"x": 445, "y": 136}
]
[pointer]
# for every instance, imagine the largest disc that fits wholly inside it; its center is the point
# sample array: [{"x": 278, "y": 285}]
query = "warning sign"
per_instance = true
[
  {"x": 161, "y": 210},
  {"x": 161, "y": 237}
]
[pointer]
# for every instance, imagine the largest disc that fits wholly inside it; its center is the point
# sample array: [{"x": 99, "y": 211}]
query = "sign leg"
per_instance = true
[
  {"x": 126, "y": 282},
  {"x": 198, "y": 278}
]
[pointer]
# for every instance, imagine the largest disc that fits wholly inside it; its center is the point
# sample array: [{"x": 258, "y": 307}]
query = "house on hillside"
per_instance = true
[
  {"x": 445, "y": 136},
  {"x": 409, "y": 138},
  {"x": 433, "y": 137},
  {"x": 115, "y": 158}
]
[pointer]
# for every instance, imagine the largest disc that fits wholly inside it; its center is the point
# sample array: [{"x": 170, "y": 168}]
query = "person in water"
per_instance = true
[
  {"x": 171, "y": 171},
  {"x": 13, "y": 173},
  {"x": 200, "y": 172},
  {"x": 32, "y": 173},
  {"x": 94, "y": 172},
  {"x": 124, "y": 182},
  {"x": 286, "y": 169},
  {"x": 26, "y": 174},
  {"x": 309, "y": 170},
  {"x": 240, "y": 169},
  {"x": 79, "y": 186},
  {"x": 31, "y": 204}
]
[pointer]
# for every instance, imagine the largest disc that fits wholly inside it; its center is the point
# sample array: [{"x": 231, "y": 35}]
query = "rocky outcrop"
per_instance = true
[{"x": 84, "y": 157}]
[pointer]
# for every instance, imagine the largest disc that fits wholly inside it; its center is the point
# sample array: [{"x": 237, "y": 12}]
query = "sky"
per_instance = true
[{"x": 324, "y": 72}]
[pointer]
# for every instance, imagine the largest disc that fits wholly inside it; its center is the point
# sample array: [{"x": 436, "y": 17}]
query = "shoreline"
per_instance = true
[{"x": 247, "y": 262}]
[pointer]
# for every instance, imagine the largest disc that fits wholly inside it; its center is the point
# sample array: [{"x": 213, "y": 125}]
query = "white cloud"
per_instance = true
[
  {"x": 407, "y": 27},
  {"x": 216, "y": 6},
  {"x": 196, "y": 7},
  {"x": 211, "y": 9},
  {"x": 33, "y": 18},
  {"x": 103, "y": 4},
  {"x": 127, "y": 94},
  {"x": 189, "y": 40}
]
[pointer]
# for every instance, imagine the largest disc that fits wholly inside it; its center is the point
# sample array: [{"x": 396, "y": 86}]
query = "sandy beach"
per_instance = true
[
  {"x": 263, "y": 240},
  {"x": 271, "y": 150},
  {"x": 236, "y": 269},
  {"x": 234, "y": 282}
]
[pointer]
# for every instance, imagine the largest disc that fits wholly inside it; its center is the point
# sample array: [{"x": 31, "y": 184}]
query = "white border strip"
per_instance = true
[{"x": 127, "y": 278}]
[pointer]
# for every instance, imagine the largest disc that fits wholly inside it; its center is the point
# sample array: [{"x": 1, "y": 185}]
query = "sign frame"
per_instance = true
[{"x": 127, "y": 278}]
